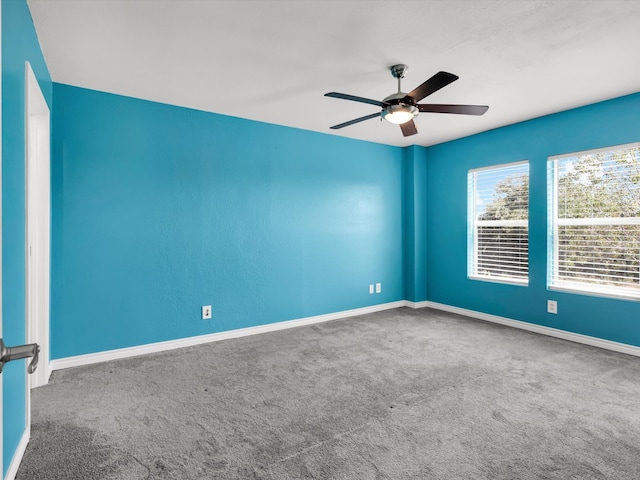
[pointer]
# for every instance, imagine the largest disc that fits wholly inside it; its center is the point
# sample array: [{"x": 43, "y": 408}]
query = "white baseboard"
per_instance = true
[
  {"x": 79, "y": 360},
  {"x": 423, "y": 304},
  {"x": 91, "y": 358},
  {"x": 17, "y": 457},
  {"x": 531, "y": 327}
]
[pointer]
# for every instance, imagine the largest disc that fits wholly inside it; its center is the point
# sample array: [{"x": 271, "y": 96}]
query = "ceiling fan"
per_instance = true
[{"x": 401, "y": 108}]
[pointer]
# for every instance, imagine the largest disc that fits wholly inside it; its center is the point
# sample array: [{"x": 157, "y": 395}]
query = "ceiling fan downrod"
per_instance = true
[
  {"x": 397, "y": 109},
  {"x": 399, "y": 71}
]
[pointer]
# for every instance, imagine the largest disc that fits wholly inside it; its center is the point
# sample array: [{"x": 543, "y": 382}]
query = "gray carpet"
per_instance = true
[{"x": 402, "y": 394}]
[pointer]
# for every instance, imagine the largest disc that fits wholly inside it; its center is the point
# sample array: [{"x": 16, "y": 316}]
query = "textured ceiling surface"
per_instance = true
[{"x": 273, "y": 60}]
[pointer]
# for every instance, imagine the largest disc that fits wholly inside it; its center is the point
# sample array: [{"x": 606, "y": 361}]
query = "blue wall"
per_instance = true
[
  {"x": 158, "y": 210},
  {"x": 600, "y": 125},
  {"x": 19, "y": 44}
]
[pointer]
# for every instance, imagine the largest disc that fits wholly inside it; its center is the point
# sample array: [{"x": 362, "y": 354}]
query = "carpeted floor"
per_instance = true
[{"x": 402, "y": 394}]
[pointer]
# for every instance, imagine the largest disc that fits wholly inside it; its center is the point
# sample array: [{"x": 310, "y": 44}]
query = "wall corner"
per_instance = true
[{"x": 415, "y": 223}]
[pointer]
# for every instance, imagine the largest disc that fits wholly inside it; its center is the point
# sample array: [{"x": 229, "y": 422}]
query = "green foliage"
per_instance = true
[
  {"x": 510, "y": 199},
  {"x": 600, "y": 254},
  {"x": 503, "y": 249},
  {"x": 599, "y": 185}
]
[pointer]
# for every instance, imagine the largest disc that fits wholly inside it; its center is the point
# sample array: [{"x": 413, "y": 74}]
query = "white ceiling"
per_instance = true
[{"x": 273, "y": 60}]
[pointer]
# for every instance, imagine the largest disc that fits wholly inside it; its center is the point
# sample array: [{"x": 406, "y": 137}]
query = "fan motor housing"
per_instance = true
[{"x": 396, "y": 99}]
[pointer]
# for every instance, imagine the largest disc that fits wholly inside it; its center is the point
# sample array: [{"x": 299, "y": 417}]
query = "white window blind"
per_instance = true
[
  {"x": 498, "y": 244},
  {"x": 594, "y": 221}
]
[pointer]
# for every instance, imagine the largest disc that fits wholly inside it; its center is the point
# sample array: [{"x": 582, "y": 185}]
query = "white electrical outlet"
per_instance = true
[
  {"x": 552, "y": 306},
  {"x": 378, "y": 287},
  {"x": 206, "y": 312},
  {"x": 371, "y": 288}
]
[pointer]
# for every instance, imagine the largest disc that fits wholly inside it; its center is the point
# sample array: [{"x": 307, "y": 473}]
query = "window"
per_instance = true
[
  {"x": 594, "y": 221},
  {"x": 498, "y": 243}
]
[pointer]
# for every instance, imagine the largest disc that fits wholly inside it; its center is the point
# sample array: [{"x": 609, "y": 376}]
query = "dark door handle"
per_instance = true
[{"x": 7, "y": 354}]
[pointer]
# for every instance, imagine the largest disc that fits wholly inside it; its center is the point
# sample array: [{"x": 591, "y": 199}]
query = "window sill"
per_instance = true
[
  {"x": 508, "y": 281},
  {"x": 582, "y": 290}
]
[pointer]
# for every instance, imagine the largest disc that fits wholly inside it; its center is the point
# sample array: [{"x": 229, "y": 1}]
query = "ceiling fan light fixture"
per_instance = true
[{"x": 399, "y": 114}]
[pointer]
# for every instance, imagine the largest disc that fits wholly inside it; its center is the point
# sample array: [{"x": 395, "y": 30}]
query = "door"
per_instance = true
[
  {"x": 37, "y": 226},
  {"x": 38, "y": 208}
]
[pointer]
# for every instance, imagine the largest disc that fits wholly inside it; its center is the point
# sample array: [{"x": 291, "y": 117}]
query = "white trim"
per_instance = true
[
  {"x": 598, "y": 221},
  {"x": 415, "y": 305},
  {"x": 595, "y": 150},
  {"x": 553, "y": 255},
  {"x": 597, "y": 290},
  {"x": 91, "y": 358},
  {"x": 108, "y": 355},
  {"x": 17, "y": 456},
  {"x": 503, "y": 223},
  {"x": 37, "y": 223},
  {"x": 551, "y": 332},
  {"x": 496, "y": 279},
  {"x": 501, "y": 165}
]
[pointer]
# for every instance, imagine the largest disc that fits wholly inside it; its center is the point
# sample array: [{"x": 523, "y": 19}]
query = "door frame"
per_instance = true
[{"x": 37, "y": 226}]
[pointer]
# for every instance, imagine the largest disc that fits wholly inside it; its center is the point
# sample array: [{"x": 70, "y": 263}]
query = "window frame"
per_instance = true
[
  {"x": 553, "y": 224},
  {"x": 472, "y": 226}
]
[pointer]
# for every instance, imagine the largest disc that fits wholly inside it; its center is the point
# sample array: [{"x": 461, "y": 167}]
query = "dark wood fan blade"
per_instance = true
[
  {"x": 435, "y": 83},
  {"x": 353, "y": 98},
  {"x": 460, "y": 109},
  {"x": 357, "y": 120},
  {"x": 408, "y": 128}
]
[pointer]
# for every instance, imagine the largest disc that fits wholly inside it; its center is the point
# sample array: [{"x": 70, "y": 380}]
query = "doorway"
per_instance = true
[{"x": 38, "y": 226}]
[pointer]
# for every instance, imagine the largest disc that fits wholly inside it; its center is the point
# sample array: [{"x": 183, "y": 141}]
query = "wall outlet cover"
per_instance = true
[{"x": 206, "y": 312}]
